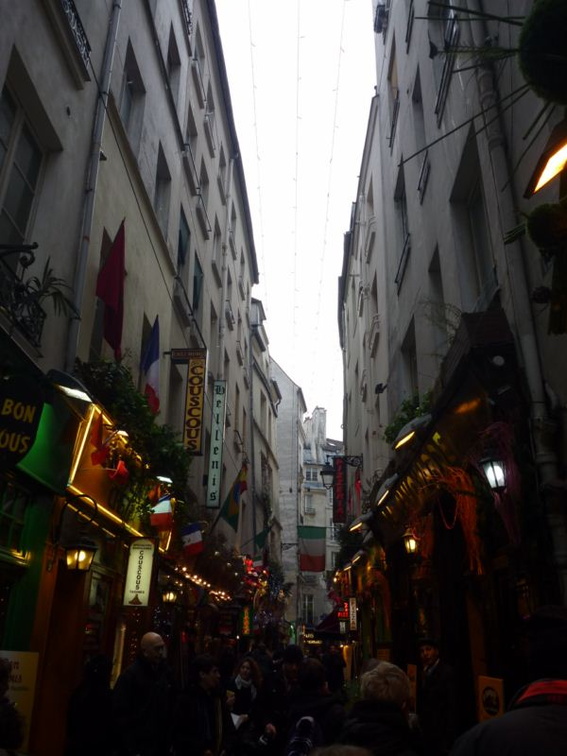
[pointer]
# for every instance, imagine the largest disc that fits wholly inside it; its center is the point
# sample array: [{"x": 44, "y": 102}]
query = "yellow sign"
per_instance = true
[
  {"x": 22, "y": 684},
  {"x": 195, "y": 401},
  {"x": 139, "y": 574},
  {"x": 490, "y": 697}
]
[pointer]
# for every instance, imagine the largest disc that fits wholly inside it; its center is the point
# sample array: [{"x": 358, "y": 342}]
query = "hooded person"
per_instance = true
[
  {"x": 536, "y": 720},
  {"x": 278, "y": 690}
]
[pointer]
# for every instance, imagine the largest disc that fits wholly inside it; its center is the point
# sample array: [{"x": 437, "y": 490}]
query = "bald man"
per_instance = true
[{"x": 143, "y": 700}]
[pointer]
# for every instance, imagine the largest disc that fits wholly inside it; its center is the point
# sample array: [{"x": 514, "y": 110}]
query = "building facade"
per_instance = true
[
  {"x": 448, "y": 325},
  {"x": 119, "y": 162}
]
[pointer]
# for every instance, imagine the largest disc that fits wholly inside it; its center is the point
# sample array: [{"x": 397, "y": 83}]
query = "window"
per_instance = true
[
  {"x": 20, "y": 164},
  {"x": 409, "y": 361},
  {"x": 132, "y": 99},
  {"x": 197, "y": 286},
  {"x": 476, "y": 264},
  {"x": 444, "y": 35},
  {"x": 401, "y": 205},
  {"x": 309, "y": 506},
  {"x": 436, "y": 312},
  {"x": 216, "y": 259},
  {"x": 307, "y": 608},
  {"x": 183, "y": 242},
  {"x": 394, "y": 94},
  {"x": 162, "y": 191},
  {"x": 173, "y": 66},
  {"x": 210, "y": 123},
  {"x": 420, "y": 143},
  {"x": 311, "y": 474}
]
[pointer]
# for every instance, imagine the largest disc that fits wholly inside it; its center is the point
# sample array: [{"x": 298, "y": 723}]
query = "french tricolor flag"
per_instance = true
[
  {"x": 192, "y": 539},
  {"x": 150, "y": 368}
]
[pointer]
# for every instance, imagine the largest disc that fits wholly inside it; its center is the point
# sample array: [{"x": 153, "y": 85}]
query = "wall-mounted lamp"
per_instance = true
[
  {"x": 409, "y": 430},
  {"x": 69, "y": 385},
  {"x": 358, "y": 556},
  {"x": 386, "y": 488},
  {"x": 410, "y": 542},
  {"x": 552, "y": 161},
  {"x": 79, "y": 551},
  {"x": 169, "y": 594},
  {"x": 495, "y": 473},
  {"x": 328, "y": 470}
]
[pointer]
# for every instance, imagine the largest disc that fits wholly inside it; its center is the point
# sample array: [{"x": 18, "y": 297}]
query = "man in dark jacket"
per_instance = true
[
  {"x": 536, "y": 720},
  {"x": 436, "y": 700},
  {"x": 313, "y": 699},
  {"x": 379, "y": 720},
  {"x": 142, "y": 701},
  {"x": 277, "y": 692},
  {"x": 202, "y": 723}
]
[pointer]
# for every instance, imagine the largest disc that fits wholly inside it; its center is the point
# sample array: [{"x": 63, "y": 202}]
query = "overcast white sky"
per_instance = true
[{"x": 301, "y": 77}]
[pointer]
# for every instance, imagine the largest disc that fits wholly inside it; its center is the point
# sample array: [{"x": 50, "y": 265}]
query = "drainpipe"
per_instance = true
[
  {"x": 90, "y": 184},
  {"x": 541, "y": 424}
]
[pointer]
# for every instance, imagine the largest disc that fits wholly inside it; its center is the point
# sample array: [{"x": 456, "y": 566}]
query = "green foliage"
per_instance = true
[
  {"x": 542, "y": 50},
  {"x": 547, "y": 226},
  {"x": 50, "y": 286},
  {"x": 158, "y": 445},
  {"x": 408, "y": 410}
]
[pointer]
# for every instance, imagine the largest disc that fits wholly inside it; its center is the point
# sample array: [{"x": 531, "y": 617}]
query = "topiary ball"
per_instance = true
[
  {"x": 543, "y": 50},
  {"x": 547, "y": 226}
]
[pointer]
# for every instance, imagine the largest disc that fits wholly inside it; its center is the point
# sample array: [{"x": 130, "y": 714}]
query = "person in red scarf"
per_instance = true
[{"x": 536, "y": 720}]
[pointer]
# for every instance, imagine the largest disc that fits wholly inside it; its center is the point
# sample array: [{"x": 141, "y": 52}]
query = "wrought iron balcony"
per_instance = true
[{"x": 18, "y": 302}]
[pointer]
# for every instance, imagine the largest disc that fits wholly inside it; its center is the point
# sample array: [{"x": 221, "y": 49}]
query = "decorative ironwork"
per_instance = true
[
  {"x": 77, "y": 31},
  {"x": 186, "y": 17},
  {"x": 17, "y": 301}
]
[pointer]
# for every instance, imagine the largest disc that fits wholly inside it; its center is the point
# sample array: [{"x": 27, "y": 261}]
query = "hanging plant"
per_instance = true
[
  {"x": 543, "y": 52},
  {"x": 547, "y": 227},
  {"x": 158, "y": 445}
]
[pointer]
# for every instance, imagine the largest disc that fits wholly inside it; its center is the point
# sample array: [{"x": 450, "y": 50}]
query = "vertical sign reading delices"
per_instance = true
[
  {"x": 196, "y": 360},
  {"x": 217, "y": 438},
  {"x": 139, "y": 574}
]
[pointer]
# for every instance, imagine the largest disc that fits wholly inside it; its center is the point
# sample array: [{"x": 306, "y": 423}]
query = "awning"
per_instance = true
[{"x": 330, "y": 625}]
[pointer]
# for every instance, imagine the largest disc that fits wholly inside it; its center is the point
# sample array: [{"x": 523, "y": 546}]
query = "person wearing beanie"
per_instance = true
[{"x": 536, "y": 720}]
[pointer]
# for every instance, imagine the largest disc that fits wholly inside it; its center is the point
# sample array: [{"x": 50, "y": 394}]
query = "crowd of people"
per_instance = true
[{"x": 288, "y": 704}]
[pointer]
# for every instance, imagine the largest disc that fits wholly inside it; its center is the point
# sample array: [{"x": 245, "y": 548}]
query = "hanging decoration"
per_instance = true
[{"x": 459, "y": 484}]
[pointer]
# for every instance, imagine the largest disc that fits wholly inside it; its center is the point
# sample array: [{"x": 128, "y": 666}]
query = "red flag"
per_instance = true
[
  {"x": 110, "y": 288},
  {"x": 120, "y": 474},
  {"x": 100, "y": 455}
]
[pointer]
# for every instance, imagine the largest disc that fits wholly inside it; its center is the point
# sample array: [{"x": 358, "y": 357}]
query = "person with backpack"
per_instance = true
[{"x": 316, "y": 715}]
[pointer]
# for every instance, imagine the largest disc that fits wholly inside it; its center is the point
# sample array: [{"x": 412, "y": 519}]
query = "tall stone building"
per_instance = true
[
  {"x": 123, "y": 203},
  {"x": 452, "y": 324}
]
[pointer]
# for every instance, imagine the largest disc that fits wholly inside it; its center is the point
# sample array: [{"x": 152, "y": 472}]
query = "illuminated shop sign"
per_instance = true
[{"x": 139, "y": 574}]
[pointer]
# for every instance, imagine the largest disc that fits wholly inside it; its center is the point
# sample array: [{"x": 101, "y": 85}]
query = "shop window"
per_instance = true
[{"x": 13, "y": 503}]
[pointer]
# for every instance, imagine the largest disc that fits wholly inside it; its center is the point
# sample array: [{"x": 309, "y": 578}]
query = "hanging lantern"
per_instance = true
[
  {"x": 410, "y": 542},
  {"x": 495, "y": 473}
]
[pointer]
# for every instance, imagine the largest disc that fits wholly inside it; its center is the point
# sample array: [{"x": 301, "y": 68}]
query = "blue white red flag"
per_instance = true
[
  {"x": 150, "y": 368},
  {"x": 192, "y": 539}
]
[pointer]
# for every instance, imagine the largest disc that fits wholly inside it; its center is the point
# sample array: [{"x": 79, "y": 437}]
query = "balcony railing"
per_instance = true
[
  {"x": 20, "y": 305},
  {"x": 77, "y": 31}
]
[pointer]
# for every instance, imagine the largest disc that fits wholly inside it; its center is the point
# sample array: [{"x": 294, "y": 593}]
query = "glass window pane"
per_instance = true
[
  {"x": 18, "y": 200},
  {"x": 28, "y": 157}
]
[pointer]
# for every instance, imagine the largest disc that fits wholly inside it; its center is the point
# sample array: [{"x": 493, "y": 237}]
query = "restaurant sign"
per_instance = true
[
  {"x": 21, "y": 404},
  {"x": 139, "y": 574},
  {"x": 194, "y": 400}
]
